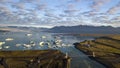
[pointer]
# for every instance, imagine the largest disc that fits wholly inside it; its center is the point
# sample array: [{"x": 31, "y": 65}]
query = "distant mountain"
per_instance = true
[
  {"x": 4, "y": 31},
  {"x": 24, "y": 28},
  {"x": 85, "y": 29}
]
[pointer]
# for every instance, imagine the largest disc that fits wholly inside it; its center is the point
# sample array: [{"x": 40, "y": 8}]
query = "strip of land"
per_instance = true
[
  {"x": 32, "y": 59},
  {"x": 105, "y": 50},
  {"x": 6, "y": 29}
]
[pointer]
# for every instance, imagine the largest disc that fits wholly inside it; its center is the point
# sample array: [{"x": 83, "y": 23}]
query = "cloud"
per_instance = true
[
  {"x": 115, "y": 21},
  {"x": 67, "y": 15},
  {"x": 49, "y": 14},
  {"x": 101, "y": 19},
  {"x": 41, "y": 6},
  {"x": 97, "y": 4},
  {"x": 39, "y": 12},
  {"x": 26, "y": 0},
  {"x": 77, "y": 0},
  {"x": 30, "y": 1},
  {"x": 70, "y": 6},
  {"x": 114, "y": 9},
  {"x": 16, "y": 17},
  {"x": 90, "y": 13},
  {"x": 5, "y": 14},
  {"x": 107, "y": 20},
  {"x": 18, "y": 5},
  {"x": 116, "y": 18},
  {"x": 52, "y": 16},
  {"x": 72, "y": 1},
  {"x": 71, "y": 11},
  {"x": 5, "y": 10},
  {"x": 5, "y": 1}
]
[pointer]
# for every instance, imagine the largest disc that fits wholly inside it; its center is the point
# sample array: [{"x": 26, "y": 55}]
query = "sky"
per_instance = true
[{"x": 50, "y": 13}]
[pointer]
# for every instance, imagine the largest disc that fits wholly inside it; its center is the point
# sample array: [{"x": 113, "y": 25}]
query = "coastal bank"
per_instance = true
[
  {"x": 34, "y": 59},
  {"x": 105, "y": 50}
]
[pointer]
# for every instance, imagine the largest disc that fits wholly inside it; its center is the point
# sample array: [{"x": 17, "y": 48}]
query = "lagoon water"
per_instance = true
[{"x": 79, "y": 59}]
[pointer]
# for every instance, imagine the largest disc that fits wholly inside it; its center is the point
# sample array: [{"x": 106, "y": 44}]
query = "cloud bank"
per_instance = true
[{"x": 57, "y": 13}]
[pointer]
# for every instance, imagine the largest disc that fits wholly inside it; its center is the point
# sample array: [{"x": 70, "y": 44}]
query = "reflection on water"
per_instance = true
[{"x": 41, "y": 41}]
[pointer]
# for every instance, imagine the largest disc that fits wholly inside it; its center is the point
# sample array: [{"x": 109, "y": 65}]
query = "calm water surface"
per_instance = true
[{"x": 79, "y": 60}]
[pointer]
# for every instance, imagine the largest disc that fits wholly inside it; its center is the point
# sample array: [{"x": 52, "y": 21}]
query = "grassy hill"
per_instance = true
[{"x": 105, "y": 50}]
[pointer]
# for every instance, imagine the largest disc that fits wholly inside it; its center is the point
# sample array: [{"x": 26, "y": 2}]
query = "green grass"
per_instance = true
[
  {"x": 20, "y": 59},
  {"x": 106, "y": 49}
]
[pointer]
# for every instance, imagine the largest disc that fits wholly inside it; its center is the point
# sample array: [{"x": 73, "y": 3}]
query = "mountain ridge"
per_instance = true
[{"x": 85, "y": 29}]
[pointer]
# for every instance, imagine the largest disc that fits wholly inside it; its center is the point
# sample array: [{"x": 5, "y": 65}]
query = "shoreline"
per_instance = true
[
  {"x": 104, "y": 50},
  {"x": 92, "y": 58},
  {"x": 34, "y": 58}
]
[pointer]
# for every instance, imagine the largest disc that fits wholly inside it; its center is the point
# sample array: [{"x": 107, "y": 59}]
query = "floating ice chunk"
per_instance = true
[
  {"x": 1, "y": 43},
  {"x": 17, "y": 45},
  {"x": 7, "y": 47},
  {"x": 27, "y": 45},
  {"x": 43, "y": 37},
  {"x": 32, "y": 43},
  {"x": 41, "y": 43},
  {"x": 9, "y": 39},
  {"x": 29, "y": 35},
  {"x": 0, "y": 47}
]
